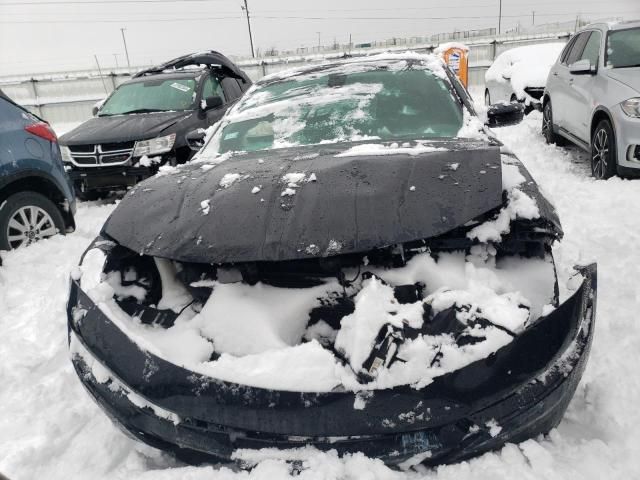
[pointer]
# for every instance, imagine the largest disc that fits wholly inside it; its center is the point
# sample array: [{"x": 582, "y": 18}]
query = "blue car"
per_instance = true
[{"x": 36, "y": 196}]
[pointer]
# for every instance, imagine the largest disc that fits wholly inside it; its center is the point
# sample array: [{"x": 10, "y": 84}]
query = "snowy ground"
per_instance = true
[{"x": 49, "y": 427}]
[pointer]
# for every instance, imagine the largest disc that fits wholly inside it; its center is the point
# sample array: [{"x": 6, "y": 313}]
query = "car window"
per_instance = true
[
  {"x": 327, "y": 108},
  {"x": 567, "y": 49},
  {"x": 623, "y": 48},
  {"x": 577, "y": 48},
  {"x": 591, "y": 50},
  {"x": 231, "y": 88},
  {"x": 212, "y": 88},
  {"x": 153, "y": 95}
]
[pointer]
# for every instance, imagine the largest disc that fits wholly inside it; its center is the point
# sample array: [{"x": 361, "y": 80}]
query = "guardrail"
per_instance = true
[{"x": 65, "y": 100}]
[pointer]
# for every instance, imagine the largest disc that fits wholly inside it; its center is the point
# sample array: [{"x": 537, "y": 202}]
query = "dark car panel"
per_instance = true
[{"x": 242, "y": 226}]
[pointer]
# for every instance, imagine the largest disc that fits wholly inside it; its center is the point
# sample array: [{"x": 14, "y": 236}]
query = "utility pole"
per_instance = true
[
  {"x": 100, "y": 72},
  {"x": 533, "y": 17},
  {"x": 246, "y": 10},
  {"x": 500, "y": 19},
  {"x": 318, "y": 41},
  {"x": 115, "y": 56},
  {"x": 124, "y": 40}
]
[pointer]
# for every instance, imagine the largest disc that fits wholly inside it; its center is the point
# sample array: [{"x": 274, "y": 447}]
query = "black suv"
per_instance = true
[{"x": 144, "y": 122}]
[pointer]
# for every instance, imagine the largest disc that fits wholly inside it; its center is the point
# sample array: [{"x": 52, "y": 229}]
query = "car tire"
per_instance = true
[
  {"x": 547, "y": 126},
  {"x": 603, "y": 151},
  {"x": 487, "y": 97},
  {"x": 30, "y": 215},
  {"x": 513, "y": 98}
]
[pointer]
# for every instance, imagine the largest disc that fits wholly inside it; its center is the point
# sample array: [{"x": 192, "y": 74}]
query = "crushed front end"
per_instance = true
[{"x": 120, "y": 310}]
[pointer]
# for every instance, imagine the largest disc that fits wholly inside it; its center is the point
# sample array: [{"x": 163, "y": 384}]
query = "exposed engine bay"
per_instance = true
[{"x": 396, "y": 315}]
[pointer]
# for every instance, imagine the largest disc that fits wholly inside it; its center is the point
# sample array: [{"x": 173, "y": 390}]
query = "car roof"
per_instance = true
[
  {"x": 433, "y": 63},
  {"x": 215, "y": 61},
  {"x": 617, "y": 25},
  {"x": 169, "y": 75}
]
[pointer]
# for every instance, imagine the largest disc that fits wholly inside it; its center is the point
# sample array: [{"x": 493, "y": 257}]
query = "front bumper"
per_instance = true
[
  {"x": 627, "y": 133},
  {"x": 107, "y": 178},
  {"x": 520, "y": 391}
]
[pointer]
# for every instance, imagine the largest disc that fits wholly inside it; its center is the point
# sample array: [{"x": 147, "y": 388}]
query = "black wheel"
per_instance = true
[
  {"x": 603, "y": 151},
  {"x": 487, "y": 97},
  {"x": 547, "y": 126},
  {"x": 513, "y": 98},
  {"x": 26, "y": 218}
]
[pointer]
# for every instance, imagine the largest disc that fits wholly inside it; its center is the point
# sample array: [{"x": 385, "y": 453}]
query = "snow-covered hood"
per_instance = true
[
  {"x": 122, "y": 128},
  {"x": 628, "y": 76},
  {"x": 308, "y": 202}
]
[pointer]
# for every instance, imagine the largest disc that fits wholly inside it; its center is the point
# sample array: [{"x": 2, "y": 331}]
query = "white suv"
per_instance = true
[{"x": 592, "y": 97}]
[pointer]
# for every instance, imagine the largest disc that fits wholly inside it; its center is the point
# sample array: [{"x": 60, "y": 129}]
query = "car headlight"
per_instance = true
[
  {"x": 66, "y": 154},
  {"x": 154, "y": 146},
  {"x": 631, "y": 107}
]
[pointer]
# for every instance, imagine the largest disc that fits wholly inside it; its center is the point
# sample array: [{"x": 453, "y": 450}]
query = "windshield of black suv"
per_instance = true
[
  {"x": 152, "y": 95},
  {"x": 623, "y": 48},
  {"x": 346, "y": 103}
]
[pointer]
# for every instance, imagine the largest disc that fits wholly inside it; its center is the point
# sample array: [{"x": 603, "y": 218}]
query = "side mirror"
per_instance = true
[
  {"x": 195, "y": 138},
  {"x": 504, "y": 114},
  {"x": 210, "y": 103},
  {"x": 582, "y": 67},
  {"x": 96, "y": 106}
]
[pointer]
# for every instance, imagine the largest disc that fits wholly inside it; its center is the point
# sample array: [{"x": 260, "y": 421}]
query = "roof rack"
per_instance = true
[{"x": 212, "y": 59}]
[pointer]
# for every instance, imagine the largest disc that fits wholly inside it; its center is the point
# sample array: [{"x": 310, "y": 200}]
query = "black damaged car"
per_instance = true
[
  {"x": 143, "y": 123},
  {"x": 352, "y": 262}
]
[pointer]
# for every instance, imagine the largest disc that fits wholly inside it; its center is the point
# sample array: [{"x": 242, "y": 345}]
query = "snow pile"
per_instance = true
[
  {"x": 259, "y": 329},
  {"x": 472, "y": 127},
  {"x": 524, "y": 67},
  {"x": 146, "y": 161},
  {"x": 370, "y": 149},
  {"x": 229, "y": 179},
  {"x": 443, "y": 47},
  {"x": 519, "y": 205}
]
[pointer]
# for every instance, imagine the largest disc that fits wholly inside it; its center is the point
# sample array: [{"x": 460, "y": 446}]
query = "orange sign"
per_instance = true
[{"x": 456, "y": 59}]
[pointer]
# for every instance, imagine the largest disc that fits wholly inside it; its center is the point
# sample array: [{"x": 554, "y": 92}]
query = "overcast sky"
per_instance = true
[{"x": 57, "y": 35}]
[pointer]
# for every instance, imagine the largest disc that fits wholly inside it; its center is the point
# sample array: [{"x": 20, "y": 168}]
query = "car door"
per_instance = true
[
  {"x": 559, "y": 80},
  {"x": 213, "y": 87},
  {"x": 582, "y": 87}
]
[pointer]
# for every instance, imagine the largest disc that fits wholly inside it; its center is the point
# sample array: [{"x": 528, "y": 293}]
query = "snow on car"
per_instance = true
[
  {"x": 416, "y": 325},
  {"x": 520, "y": 74}
]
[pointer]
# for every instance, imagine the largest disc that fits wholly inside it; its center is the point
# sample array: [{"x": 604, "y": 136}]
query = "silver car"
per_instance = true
[{"x": 592, "y": 97}]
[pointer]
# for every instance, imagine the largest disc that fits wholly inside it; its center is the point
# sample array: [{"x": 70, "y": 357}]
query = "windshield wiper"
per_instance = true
[
  {"x": 138, "y": 110},
  {"x": 143, "y": 110}
]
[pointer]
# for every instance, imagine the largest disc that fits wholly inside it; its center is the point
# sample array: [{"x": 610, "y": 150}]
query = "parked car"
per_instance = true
[
  {"x": 143, "y": 123},
  {"x": 353, "y": 262},
  {"x": 520, "y": 75},
  {"x": 592, "y": 97},
  {"x": 36, "y": 195}
]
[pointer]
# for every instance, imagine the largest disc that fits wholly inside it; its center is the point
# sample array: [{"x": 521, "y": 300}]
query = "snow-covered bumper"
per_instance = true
[{"x": 518, "y": 392}]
